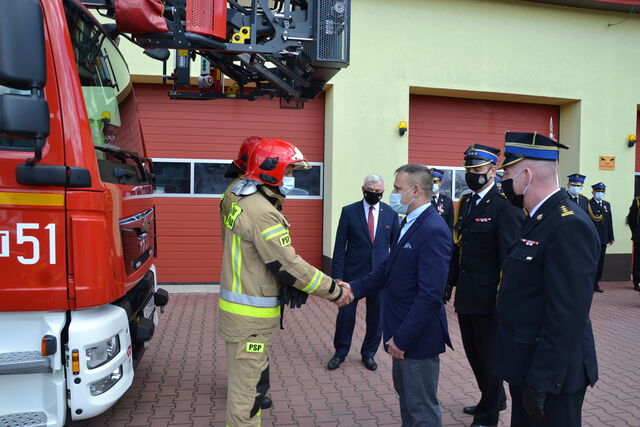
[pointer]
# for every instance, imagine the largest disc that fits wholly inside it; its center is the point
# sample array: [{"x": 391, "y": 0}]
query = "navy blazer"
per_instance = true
[
  {"x": 354, "y": 255},
  {"x": 413, "y": 279}
]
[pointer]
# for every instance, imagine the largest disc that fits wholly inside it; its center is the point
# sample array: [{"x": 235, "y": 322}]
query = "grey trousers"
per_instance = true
[{"x": 416, "y": 381}]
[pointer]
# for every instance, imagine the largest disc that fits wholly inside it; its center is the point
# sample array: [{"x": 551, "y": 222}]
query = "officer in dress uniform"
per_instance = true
[
  {"x": 633, "y": 219},
  {"x": 545, "y": 347},
  {"x": 441, "y": 201},
  {"x": 574, "y": 186},
  {"x": 486, "y": 225},
  {"x": 600, "y": 212}
]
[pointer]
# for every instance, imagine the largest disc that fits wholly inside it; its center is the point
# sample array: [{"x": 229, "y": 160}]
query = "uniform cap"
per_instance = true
[
  {"x": 480, "y": 155},
  {"x": 599, "y": 186},
  {"x": 529, "y": 145},
  {"x": 576, "y": 178},
  {"x": 437, "y": 173}
]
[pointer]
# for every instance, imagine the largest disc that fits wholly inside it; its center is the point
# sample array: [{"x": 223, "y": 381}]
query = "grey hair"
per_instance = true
[
  {"x": 419, "y": 174},
  {"x": 373, "y": 178}
]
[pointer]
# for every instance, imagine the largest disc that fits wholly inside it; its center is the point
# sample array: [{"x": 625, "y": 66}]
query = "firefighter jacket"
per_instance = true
[{"x": 258, "y": 257}]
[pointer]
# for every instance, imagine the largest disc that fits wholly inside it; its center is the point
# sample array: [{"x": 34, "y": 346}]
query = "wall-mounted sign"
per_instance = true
[{"x": 607, "y": 163}]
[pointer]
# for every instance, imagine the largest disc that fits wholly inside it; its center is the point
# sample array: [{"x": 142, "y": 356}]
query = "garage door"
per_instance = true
[
  {"x": 191, "y": 143},
  {"x": 442, "y": 128}
]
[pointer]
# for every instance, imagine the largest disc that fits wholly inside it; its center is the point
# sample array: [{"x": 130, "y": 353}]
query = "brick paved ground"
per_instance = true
[{"x": 183, "y": 377}]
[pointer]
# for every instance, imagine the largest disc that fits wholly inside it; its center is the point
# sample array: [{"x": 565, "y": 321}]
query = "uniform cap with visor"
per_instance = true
[
  {"x": 529, "y": 145},
  {"x": 480, "y": 155},
  {"x": 269, "y": 160},
  {"x": 599, "y": 186},
  {"x": 576, "y": 179},
  {"x": 437, "y": 173}
]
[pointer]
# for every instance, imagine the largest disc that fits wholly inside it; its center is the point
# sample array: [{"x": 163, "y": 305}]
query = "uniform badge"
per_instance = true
[
  {"x": 481, "y": 180},
  {"x": 285, "y": 240},
  {"x": 529, "y": 242},
  {"x": 539, "y": 217},
  {"x": 483, "y": 219}
]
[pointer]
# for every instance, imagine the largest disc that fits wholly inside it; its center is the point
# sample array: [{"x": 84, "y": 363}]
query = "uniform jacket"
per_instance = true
[
  {"x": 258, "y": 257},
  {"x": 544, "y": 337},
  {"x": 581, "y": 201},
  {"x": 483, "y": 236},
  {"x": 633, "y": 220},
  {"x": 354, "y": 255},
  {"x": 601, "y": 217},
  {"x": 444, "y": 205},
  {"x": 413, "y": 279}
]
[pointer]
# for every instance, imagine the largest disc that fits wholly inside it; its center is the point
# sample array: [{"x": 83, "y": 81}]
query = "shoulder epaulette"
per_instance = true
[{"x": 564, "y": 210}]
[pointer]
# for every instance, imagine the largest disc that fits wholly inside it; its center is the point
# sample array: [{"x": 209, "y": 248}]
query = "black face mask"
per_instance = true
[
  {"x": 516, "y": 200},
  {"x": 371, "y": 197},
  {"x": 475, "y": 181}
]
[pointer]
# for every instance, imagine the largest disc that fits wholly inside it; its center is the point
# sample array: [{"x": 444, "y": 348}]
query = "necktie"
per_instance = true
[
  {"x": 370, "y": 224},
  {"x": 474, "y": 201},
  {"x": 403, "y": 222},
  {"x": 435, "y": 199}
]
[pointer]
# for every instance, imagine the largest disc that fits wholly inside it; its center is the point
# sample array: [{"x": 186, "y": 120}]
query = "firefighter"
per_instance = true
[{"x": 259, "y": 259}]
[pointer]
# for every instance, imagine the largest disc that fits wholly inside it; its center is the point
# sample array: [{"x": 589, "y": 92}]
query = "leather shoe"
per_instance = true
[
  {"x": 266, "y": 402},
  {"x": 482, "y": 425},
  {"x": 636, "y": 287},
  {"x": 598, "y": 289},
  {"x": 471, "y": 410},
  {"x": 334, "y": 363},
  {"x": 369, "y": 363}
]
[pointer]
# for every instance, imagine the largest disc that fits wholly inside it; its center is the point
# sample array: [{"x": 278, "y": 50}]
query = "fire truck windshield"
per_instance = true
[{"x": 108, "y": 92}]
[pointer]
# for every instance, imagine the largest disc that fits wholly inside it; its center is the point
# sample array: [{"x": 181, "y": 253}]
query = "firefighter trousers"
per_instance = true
[{"x": 248, "y": 382}]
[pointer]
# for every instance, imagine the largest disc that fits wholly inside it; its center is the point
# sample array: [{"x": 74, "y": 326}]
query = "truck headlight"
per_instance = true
[
  {"x": 103, "y": 352},
  {"x": 103, "y": 385}
]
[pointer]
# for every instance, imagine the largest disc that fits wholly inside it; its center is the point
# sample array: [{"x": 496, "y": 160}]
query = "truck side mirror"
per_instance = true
[
  {"x": 23, "y": 66},
  {"x": 22, "y": 48}
]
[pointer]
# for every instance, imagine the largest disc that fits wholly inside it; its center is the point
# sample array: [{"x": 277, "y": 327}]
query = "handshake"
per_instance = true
[{"x": 347, "y": 295}]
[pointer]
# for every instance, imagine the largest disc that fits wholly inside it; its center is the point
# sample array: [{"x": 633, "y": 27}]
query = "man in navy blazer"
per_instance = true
[
  {"x": 413, "y": 279},
  {"x": 365, "y": 232}
]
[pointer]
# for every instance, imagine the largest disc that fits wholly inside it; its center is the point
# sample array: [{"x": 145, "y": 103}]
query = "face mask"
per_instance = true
[
  {"x": 599, "y": 195},
  {"x": 516, "y": 200},
  {"x": 435, "y": 188},
  {"x": 288, "y": 184},
  {"x": 397, "y": 205},
  {"x": 574, "y": 190},
  {"x": 371, "y": 197},
  {"x": 475, "y": 181}
]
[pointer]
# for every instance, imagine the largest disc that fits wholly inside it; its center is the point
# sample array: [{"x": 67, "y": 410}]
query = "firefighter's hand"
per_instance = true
[
  {"x": 533, "y": 402},
  {"x": 298, "y": 298},
  {"x": 447, "y": 293},
  {"x": 347, "y": 295}
]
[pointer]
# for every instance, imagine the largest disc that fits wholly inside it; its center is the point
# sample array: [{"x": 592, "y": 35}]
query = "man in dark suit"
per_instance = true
[
  {"x": 441, "y": 201},
  {"x": 545, "y": 347},
  {"x": 600, "y": 212},
  {"x": 574, "y": 187},
  {"x": 413, "y": 279},
  {"x": 486, "y": 226},
  {"x": 633, "y": 219},
  {"x": 365, "y": 232}
]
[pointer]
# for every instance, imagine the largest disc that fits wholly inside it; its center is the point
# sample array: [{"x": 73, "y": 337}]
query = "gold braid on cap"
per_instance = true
[{"x": 594, "y": 217}]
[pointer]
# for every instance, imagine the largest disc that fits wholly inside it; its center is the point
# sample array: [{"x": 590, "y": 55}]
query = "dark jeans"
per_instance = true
[
  {"x": 562, "y": 410},
  {"x": 346, "y": 322},
  {"x": 416, "y": 381},
  {"x": 478, "y": 333}
]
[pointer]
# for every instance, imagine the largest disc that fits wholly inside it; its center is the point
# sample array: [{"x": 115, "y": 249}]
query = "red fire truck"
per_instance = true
[{"x": 78, "y": 293}]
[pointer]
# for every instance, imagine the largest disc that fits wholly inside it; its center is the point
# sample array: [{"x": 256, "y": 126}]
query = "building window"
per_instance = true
[
  {"x": 173, "y": 177},
  {"x": 205, "y": 178}
]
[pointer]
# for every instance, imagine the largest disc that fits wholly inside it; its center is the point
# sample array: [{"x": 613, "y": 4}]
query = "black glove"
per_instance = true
[
  {"x": 448, "y": 290},
  {"x": 533, "y": 402},
  {"x": 292, "y": 297}
]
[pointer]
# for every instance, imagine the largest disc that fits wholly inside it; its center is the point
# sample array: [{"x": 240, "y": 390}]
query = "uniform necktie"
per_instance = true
[
  {"x": 435, "y": 199},
  {"x": 403, "y": 222},
  {"x": 370, "y": 224},
  {"x": 474, "y": 201}
]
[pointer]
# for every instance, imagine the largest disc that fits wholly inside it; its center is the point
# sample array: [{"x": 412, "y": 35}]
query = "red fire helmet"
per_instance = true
[
  {"x": 247, "y": 146},
  {"x": 270, "y": 158}
]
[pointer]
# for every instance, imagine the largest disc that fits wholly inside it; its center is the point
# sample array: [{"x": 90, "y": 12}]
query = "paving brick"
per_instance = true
[{"x": 179, "y": 388}]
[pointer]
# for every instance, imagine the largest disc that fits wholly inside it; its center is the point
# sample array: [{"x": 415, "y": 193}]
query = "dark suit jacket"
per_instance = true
[
  {"x": 486, "y": 233},
  {"x": 444, "y": 205},
  {"x": 632, "y": 220},
  {"x": 544, "y": 337},
  {"x": 413, "y": 279},
  {"x": 605, "y": 225},
  {"x": 354, "y": 255},
  {"x": 581, "y": 201}
]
